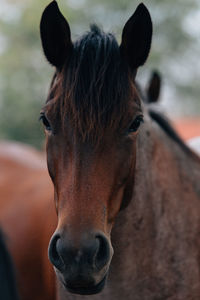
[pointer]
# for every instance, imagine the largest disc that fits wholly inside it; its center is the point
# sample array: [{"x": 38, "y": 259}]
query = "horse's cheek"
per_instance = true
[{"x": 114, "y": 205}]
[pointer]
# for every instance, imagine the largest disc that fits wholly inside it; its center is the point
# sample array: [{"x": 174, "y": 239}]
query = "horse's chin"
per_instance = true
[{"x": 86, "y": 290}]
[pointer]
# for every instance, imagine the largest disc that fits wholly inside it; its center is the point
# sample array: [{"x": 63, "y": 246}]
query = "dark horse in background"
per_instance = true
[
  {"x": 8, "y": 289},
  {"x": 113, "y": 177},
  {"x": 124, "y": 183}
]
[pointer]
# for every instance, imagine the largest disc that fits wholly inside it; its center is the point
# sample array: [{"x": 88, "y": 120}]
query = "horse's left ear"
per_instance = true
[
  {"x": 136, "y": 37},
  {"x": 55, "y": 35},
  {"x": 153, "y": 88}
]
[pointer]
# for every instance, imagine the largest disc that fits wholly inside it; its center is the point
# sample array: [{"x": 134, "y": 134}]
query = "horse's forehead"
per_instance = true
[{"x": 80, "y": 124}]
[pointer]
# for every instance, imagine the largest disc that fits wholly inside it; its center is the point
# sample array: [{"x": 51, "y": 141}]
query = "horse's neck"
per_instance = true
[
  {"x": 156, "y": 237},
  {"x": 166, "y": 187},
  {"x": 167, "y": 176}
]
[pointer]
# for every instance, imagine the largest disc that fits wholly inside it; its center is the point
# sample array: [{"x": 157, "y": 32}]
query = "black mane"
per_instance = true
[{"x": 170, "y": 131}]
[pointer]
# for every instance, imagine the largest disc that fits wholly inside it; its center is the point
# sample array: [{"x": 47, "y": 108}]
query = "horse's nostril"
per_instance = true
[
  {"x": 103, "y": 253},
  {"x": 54, "y": 256}
]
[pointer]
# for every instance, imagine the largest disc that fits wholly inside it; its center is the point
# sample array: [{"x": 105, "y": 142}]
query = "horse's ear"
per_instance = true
[
  {"x": 153, "y": 89},
  {"x": 55, "y": 35},
  {"x": 136, "y": 37}
]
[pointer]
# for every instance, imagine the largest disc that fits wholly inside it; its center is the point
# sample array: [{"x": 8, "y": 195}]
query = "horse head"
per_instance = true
[{"x": 92, "y": 116}]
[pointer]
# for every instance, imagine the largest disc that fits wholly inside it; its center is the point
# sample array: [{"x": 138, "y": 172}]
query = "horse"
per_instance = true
[
  {"x": 126, "y": 188},
  {"x": 27, "y": 219},
  {"x": 8, "y": 289}
]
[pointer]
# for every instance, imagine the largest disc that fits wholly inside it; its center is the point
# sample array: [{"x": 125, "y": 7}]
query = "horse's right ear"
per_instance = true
[{"x": 55, "y": 35}]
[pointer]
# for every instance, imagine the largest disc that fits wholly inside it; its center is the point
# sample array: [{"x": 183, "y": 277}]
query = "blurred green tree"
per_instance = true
[{"x": 25, "y": 75}]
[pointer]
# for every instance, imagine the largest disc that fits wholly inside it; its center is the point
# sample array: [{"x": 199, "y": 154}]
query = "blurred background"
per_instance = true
[{"x": 25, "y": 75}]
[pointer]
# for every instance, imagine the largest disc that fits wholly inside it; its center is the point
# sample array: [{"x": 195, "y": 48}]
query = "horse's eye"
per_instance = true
[
  {"x": 136, "y": 124},
  {"x": 45, "y": 121}
]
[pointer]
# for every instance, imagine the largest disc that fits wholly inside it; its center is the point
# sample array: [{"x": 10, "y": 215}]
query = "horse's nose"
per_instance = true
[{"x": 92, "y": 253}]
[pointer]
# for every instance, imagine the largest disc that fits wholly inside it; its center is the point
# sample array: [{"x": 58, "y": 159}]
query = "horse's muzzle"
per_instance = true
[
  {"x": 81, "y": 266},
  {"x": 86, "y": 290}
]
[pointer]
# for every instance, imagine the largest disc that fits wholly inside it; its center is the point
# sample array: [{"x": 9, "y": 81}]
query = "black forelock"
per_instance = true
[{"x": 96, "y": 85}]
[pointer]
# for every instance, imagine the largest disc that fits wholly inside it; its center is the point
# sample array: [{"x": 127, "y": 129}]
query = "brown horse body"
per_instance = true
[{"x": 27, "y": 218}]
